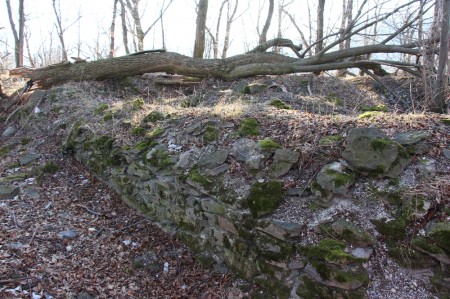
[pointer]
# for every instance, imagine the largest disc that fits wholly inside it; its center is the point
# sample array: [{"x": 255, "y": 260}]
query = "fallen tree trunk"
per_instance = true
[{"x": 232, "y": 68}]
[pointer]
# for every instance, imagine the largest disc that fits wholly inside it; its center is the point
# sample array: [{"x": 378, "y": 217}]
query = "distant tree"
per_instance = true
[
  {"x": 112, "y": 31},
  {"x": 140, "y": 33},
  {"x": 346, "y": 24},
  {"x": 123, "y": 18},
  {"x": 319, "y": 32},
  {"x": 263, "y": 33},
  {"x": 199, "y": 45},
  {"x": 19, "y": 34},
  {"x": 59, "y": 29}
]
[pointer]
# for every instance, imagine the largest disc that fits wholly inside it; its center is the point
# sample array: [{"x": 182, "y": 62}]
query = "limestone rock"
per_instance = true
[
  {"x": 283, "y": 161},
  {"x": 67, "y": 234},
  {"x": 244, "y": 149},
  {"x": 28, "y": 158},
  {"x": 213, "y": 159},
  {"x": 446, "y": 153},
  {"x": 9, "y": 131},
  {"x": 334, "y": 179},
  {"x": 352, "y": 233},
  {"x": 370, "y": 152},
  {"x": 8, "y": 192},
  {"x": 411, "y": 137}
]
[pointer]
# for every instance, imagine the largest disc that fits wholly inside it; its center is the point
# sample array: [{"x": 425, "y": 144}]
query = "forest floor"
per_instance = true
[{"x": 67, "y": 235}]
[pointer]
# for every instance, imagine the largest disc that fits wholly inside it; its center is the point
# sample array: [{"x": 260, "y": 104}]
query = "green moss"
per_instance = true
[
  {"x": 329, "y": 250},
  {"x": 50, "y": 167},
  {"x": 196, "y": 177},
  {"x": 440, "y": 234},
  {"x": 279, "y": 250},
  {"x": 264, "y": 197},
  {"x": 137, "y": 104},
  {"x": 145, "y": 145},
  {"x": 317, "y": 189},
  {"x": 211, "y": 134},
  {"x": 408, "y": 257},
  {"x": 331, "y": 140},
  {"x": 25, "y": 141},
  {"x": 379, "y": 144},
  {"x": 280, "y": 104},
  {"x": 101, "y": 109},
  {"x": 155, "y": 133},
  {"x": 380, "y": 108},
  {"x": 4, "y": 150},
  {"x": 334, "y": 99},
  {"x": 395, "y": 229},
  {"x": 425, "y": 244},
  {"x": 268, "y": 144},
  {"x": 138, "y": 131},
  {"x": 445, "y": 121},
  {"x": 108, "y": 116},
  {"x": 343, "y": 277},
  {"x": 153, "y": 117},
  {"x": 341, "y": 178},
  {"x": 160, "y": 158},
  {"x": 19, "y": 177},
  {"x": 249, "y": 127},
  {"x": 369, "y": 114}
]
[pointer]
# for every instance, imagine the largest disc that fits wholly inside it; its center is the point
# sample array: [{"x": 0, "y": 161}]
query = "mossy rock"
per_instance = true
[
  {"x": 211, "y": 134},
  {"x": 280, "y": 104},
  {"x": 310, "y": 288},
  {"x": 272, "y": 248},
  {"x": 380, "y": 108},
  {"x": 329, "y": 250},
  {"x": 394, "y": 229},
  {"x": 153, "y": 117},
  {"x": 352, "y": 233},
  {"x": 198, "y": 178},
  {"x": 249, "y": 127},
  {"x": 268, "y": 144},
  {"x": 159, "y": 157},
  {"x": 100, "y": 110},
  {"x": 138, "y": 131},
  {"x": 4, "y": 150},
  {"x": 409, "y": 257},
  {"x": 264, "y": 197},
  {"x": 273, "y": 288},
  {"x": 155, "y": 133},
  {"x": 439, "y": 233},
  {"x": 137, "y": 104}
]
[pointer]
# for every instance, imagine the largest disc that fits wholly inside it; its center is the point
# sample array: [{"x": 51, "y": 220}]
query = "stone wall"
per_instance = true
[{"x": 222, "y": 216}]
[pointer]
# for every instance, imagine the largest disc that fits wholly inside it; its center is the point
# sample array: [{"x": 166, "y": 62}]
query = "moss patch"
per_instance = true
[
  {"x": 138, "y": 131},
  {"x": 268, "y": 144},
  {"x": 137, "y": 104},
  {"x": 341, "y": 178},
  {"x": 155, "y": 133},
  {"x": 280, "y": 104},
  {"x": 445, "y": 121},
  {"x": 395, "y": 229},
  {"x": 329, "y": 250},
  {"x": 331, "y": 140},
  {"x": 264, "y": 197},
  {"x": 380, "y": 108},
  {"x": 379, "y": 144},
  {"x": 211, "y": 134},
  {"x": 101, "y": 109},
  {"x": 369, "y": 114},
  {"x": 249, "y": 127}
]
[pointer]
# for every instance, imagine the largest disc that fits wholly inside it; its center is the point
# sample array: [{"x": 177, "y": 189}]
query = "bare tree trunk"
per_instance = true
[
  {"x": 18, "y": 36},
  {"x": 124, "y": 27},
  {"x": 199, "y": 45},
  {"x": 112, "y": 50},
  {"x": 263, "y": 35},
  {"x": 215, "y": 37},
  {"x": 30, "y": 58},
  {"x": 60, "y": 29},
  {"x": 347, "y": 19},
  {"x": 230, "y": 20},
  {"x": 134, "y": 11},
  {"x": 438, "y": 103},
  {"x": 163, "y": 38},
  {"x": 319, "y": 32}
]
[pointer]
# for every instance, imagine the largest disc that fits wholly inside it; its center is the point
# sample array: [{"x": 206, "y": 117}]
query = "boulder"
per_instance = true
[
  {"x": 370, "y": 152},
  {"x": 333, "y": 179}
]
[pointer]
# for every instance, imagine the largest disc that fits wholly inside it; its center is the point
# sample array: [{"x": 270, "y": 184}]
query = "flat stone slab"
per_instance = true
[
  {"x": 28, "y": 158},
  {"x": 411, "y": 137},
  {"x": 213, "y": 159},
  {"x": 8, "y": 192}
]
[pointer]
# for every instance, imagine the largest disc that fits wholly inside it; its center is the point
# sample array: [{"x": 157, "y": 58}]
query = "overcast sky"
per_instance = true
[{"x": 179, "y": 23}]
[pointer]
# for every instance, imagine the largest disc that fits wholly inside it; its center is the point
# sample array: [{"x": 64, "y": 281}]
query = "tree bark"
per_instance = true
[
  {"x": 438, "y": 103},
  {"x": 18, "y": 36},
  {"x": 124, "y": 27},
  {"x": 263, "y": 35},
  {"x": 230, "y": 19},
  {"x": 199, "y": 45},
  {"x": 232, "y": 68}
]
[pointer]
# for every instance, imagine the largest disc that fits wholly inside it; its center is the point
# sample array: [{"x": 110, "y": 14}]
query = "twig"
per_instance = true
[
  {"x": 32, "y": 238},
  {"x": 89, "y": 210},
  {"x": 17, "y": 279}
]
